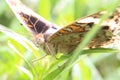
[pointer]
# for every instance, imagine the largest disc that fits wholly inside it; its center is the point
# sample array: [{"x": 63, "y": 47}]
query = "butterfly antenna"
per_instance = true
[
  {"x": 34, "y": 24},
  {"x": 35, "y": 27},
  {"x": 39, "y": 58},
  {"x": 43, "y": 30}
]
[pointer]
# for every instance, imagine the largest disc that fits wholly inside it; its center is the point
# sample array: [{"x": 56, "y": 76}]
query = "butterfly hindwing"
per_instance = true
[{"x": 68, "y": 38}]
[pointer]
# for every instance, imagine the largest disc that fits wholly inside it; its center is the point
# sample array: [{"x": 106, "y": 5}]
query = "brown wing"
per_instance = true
[{"x": 67, "y": 38}]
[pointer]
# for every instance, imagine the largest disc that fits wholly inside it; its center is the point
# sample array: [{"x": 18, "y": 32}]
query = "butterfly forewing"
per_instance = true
[{"x": 32, "y": 21}]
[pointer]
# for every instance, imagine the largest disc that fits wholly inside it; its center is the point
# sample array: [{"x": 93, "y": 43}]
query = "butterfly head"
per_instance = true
[{"x": 39, "y": 39}]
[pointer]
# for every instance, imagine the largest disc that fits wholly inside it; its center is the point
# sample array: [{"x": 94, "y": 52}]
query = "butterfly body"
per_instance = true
[{"x": 53, "y": 39}]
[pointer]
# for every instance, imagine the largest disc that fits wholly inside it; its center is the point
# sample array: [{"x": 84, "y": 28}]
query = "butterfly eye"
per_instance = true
[{"x": 39, "y": 39}]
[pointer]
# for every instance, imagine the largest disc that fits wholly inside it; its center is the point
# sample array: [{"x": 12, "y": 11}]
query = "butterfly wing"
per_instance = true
[
  {"x": 67, "y": 39},
  {"x": 32, "y": 21}
]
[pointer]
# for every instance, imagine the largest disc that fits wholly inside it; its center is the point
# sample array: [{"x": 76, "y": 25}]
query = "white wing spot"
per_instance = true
[{"x": 88, "y": 20}]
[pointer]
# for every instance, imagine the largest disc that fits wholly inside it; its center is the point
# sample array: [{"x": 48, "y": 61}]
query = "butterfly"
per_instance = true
[{"x": 53, "y": 39}]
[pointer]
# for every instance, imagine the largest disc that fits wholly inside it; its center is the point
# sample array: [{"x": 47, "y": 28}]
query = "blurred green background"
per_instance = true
[{"x": 17, "y": 50}]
